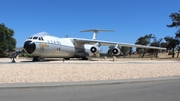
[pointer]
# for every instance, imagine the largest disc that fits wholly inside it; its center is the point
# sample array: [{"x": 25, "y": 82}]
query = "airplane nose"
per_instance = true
[{"x": 29, "y": 46}]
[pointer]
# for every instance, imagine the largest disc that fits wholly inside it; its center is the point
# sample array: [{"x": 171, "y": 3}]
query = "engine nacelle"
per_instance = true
[
  {"x": 92, "y": 50},
  {"x": 116, "y": 51},
  {"x": 95, "y": 49}
]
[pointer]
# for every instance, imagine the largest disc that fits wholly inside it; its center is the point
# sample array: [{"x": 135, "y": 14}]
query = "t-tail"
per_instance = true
[{"x": 96, "y": 31}]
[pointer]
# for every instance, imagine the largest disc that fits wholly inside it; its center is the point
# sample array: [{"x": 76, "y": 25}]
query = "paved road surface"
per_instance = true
[{"x": 159, "y": 90}]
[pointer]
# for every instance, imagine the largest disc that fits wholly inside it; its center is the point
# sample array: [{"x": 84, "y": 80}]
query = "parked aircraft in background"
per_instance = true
[{"x": 43, "y": 45}]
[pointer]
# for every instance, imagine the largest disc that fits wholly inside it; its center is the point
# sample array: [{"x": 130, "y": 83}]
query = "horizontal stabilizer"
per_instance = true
[{"x": 97, "y": 30}]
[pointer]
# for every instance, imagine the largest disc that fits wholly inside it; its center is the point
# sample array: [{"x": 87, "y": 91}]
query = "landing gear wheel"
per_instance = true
[
  {"x": 37, "y": 58},
  {"x": 84, "y": 58},
  {"x": 67, "y": 58}
]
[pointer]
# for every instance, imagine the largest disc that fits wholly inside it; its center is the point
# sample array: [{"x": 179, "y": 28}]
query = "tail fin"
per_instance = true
[{"x": 96, "y": 31}]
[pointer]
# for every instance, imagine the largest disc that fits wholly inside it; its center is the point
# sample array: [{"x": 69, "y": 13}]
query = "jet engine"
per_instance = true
[
  {"x": 95, "y": 49},
  {"x": 116, "y": 51},
  {"x": 92, "y": 50}
]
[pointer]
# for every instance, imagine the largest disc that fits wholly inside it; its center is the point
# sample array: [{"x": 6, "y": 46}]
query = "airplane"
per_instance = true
[{"x": 42, "y": 45}]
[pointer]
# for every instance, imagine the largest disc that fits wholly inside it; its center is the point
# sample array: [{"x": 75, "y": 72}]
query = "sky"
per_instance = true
[{"x": 130, "y": 19}]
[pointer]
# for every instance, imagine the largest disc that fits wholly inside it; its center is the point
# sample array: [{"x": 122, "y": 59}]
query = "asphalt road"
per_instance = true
[{"x": 158, "y": 90}]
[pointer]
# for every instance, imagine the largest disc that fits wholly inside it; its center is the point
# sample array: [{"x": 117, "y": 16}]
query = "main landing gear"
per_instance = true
[
  {"x": 37, "y": 59},
  {"x": 84, "y": 58}
]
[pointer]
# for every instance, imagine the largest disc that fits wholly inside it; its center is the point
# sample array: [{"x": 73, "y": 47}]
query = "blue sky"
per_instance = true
[{"x": 130, "y": 19}]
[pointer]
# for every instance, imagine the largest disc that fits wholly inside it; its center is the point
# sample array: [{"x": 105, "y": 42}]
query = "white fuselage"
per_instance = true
[{"x": 54, "y": 47}]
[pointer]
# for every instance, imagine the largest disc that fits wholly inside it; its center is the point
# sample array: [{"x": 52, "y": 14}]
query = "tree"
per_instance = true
[
  {"x": 126, "y": 50},
  {"x": 171, "y": 43},
  {"x": 163, "y": 45},
  {"x": 155, "y": 43},
  {"x": 143, "y": 41},
  {"x": 175, "y": 17},
  {"x": 178, "y": 37},
  {"x": 178, "y": 49},
  {"x": 7, "y": 42}
]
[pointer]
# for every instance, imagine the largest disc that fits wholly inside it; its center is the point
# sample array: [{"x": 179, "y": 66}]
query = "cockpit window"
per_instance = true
[
  {"x": 40, "y": 38},
  {"x": 35, "y": 37},
  {"x": 30, "y": 38}
]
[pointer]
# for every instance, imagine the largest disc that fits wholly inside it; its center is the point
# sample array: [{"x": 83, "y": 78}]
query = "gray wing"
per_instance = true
[{"x": 109, "y": 43}]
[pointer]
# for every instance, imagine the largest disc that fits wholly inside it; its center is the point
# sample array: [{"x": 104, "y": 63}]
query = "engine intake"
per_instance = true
[
  {"x": 93, "y": 49},
  {"x": 116, "y": 51}
]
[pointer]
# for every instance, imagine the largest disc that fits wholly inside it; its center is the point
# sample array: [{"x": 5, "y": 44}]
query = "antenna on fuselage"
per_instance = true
[{"x": 96, "y": 31}]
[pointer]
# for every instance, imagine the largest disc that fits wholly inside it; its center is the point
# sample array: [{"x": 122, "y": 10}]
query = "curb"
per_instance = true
[{"x": 84, "y": 83}]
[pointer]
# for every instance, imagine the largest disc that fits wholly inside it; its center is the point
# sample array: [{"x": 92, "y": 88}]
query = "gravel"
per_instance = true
[{"x": 69, "y": 71}]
